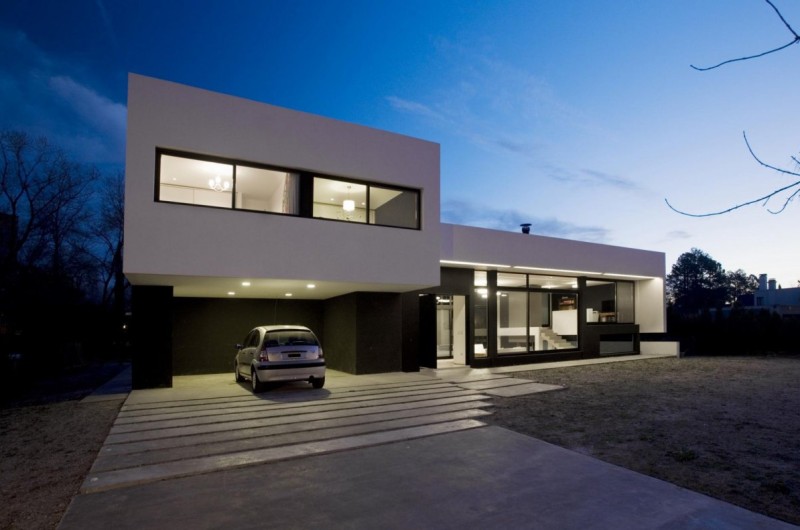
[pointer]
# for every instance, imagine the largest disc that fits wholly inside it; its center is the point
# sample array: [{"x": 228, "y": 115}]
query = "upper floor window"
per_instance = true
[
  {"x": 365, "y": 203},
  {"x": 211, "y": 181}
]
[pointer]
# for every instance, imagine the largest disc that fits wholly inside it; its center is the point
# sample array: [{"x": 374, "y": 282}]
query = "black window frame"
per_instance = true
[{"x": 305, "y": 191}]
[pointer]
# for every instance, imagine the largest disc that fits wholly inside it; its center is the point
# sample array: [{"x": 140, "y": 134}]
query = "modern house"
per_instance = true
[{"x": 239, "y": 213}]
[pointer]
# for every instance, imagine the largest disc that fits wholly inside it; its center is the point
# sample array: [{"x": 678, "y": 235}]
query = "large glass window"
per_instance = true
[
  {"x": 192, "y": 181},
  {"x": 365, "y": 203},
  {"x": 266, "y": 190},
  {"x": 394, "y": 207},
  {"x": 203, "y": 182},
  {"x": 337, "y": 199},
  {"x": 536, "y": 321},
  {"x": 211, "y": 181},
  {"x": 609, "y": 301}
]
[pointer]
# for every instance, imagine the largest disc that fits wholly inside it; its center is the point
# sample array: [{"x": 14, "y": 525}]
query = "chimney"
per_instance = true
[
  {"x": 762, "y": 282},
  {"x": 772, "y": 284},
  {"x": 526, "y": 228}
]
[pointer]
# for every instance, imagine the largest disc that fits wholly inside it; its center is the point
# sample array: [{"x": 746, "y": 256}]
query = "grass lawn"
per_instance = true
[{"x": 728, "y": 427}]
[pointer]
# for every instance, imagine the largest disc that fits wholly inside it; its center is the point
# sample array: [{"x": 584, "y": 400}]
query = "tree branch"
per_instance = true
[
  {"x": 765, "y": 199},
  {"x": 793, "y": 41}
]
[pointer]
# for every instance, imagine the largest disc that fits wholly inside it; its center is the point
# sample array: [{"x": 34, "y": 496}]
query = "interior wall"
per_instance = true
[{"x": 206, "y": 330}]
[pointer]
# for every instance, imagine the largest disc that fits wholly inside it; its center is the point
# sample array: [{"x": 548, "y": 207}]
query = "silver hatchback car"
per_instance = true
[{"x": 280, "y": 353}]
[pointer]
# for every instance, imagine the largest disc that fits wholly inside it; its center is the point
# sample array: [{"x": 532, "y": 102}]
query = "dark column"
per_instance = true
[
  {"x": 151, "y": 330},
  {"x": 491, "y": 280},
  {"x": 427, "y": 330}
]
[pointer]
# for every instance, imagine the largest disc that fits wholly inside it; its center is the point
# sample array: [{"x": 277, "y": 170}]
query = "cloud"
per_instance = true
[
  {"x": 678, "y": 234},
  {"x": 470, "y": 214},
  {"x": 413, "y": 107},
  {"x": 593, "y": 178},
  {"x": 495, "y": 105},
  {"x": 43, "y": 96}
]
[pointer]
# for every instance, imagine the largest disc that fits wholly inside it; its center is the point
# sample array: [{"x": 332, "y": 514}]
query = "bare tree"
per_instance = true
[
  {"x": 789, "y": 191},
  {"x": 47, "y": 198},
  {"x": 109, "y": 233}
]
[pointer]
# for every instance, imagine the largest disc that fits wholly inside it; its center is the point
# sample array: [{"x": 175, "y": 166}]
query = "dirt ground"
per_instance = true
[
  {"x": 48, "y": 442},
  {"x": 727, "y": 427}
]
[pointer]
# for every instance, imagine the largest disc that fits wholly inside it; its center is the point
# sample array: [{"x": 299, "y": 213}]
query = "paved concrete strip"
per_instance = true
[
  {"x": 494, "y": 383},
  {"x": 252, "y": 405},
  {"x": 286, "y": 396},
  {"x": 107, "y": 462},
  {"x": 522, "y": 390},
  {"x": 265, "y": 411},
  {"x": 461, "y": 377},
  {"x": 96, "y": 482},
  {"x": 181, "y": 430},
  {"x": 235, "y": 432}
]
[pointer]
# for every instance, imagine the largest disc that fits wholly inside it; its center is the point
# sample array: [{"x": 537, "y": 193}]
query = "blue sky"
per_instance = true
[{"x": 579, "y": 117}]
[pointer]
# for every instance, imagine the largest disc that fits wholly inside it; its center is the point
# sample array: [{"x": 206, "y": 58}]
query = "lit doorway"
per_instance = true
[{"x": 451, "y": 326}]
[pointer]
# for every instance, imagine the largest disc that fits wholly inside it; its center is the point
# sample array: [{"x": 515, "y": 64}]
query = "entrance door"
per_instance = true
[{"x": 451, "y": 326}]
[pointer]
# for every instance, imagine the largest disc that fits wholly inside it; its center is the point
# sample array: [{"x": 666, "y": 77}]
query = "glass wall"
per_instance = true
[{"x": 535, "y": 313}]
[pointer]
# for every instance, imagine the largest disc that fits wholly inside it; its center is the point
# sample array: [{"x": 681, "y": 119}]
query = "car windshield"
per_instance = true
[{"x": 289, "y": 337}]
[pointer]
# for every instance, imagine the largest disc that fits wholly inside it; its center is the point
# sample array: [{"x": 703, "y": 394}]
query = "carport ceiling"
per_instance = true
[{"x": 208, "y": 287}]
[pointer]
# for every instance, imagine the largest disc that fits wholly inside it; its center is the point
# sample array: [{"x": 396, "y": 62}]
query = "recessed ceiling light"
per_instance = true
[
  {"x": 288, "y": 294},
  {"x": 245, "y": 284},
  {"x": 231, "y": 293},
  {"x": 310, "y": 286}
]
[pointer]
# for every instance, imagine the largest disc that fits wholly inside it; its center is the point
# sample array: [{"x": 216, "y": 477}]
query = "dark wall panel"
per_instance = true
[
  {"x": 206, "y": 330},
  {"x": 151, "y": 330},
  {"x": 379, "y": 331},
  {"x": 340, "y": 334}
]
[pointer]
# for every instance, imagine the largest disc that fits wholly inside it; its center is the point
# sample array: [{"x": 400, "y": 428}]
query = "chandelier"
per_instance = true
[
  {"x": 218, "y": 184},
  {"x": 348, "y": 205}
]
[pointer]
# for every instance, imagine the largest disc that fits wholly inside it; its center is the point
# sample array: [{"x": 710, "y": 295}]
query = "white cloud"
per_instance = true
[
  {"x": 471, "y": 214},
  {"x": 42, "y": 97}
]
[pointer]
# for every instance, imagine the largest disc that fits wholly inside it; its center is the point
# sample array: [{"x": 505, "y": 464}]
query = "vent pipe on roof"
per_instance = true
[{"x": 526, "y": 228}]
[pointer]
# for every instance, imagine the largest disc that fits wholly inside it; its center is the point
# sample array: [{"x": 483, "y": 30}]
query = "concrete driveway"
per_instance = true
[{"x": 385, "y": 451}]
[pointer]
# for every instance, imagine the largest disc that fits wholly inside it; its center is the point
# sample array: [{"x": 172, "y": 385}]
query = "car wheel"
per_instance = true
[
  {"x": 318, "y": 382},
  {"x": 236, "y": 373},
  {"x": 258, "y": 386}
]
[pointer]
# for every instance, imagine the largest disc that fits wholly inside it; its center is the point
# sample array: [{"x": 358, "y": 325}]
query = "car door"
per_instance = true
[{"x": 245, "y": 355}]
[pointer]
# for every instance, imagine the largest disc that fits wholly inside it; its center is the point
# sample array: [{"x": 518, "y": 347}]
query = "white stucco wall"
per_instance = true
[
  {"x": 176, "y": 239},
  {"x": 578, "y": 258}
]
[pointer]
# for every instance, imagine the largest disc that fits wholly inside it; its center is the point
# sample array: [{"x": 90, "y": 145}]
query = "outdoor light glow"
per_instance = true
[{"x": 449, "y": 262}]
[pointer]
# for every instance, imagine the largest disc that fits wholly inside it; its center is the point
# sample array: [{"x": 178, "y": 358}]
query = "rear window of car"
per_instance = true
[{"x": 289, "y": 337}]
